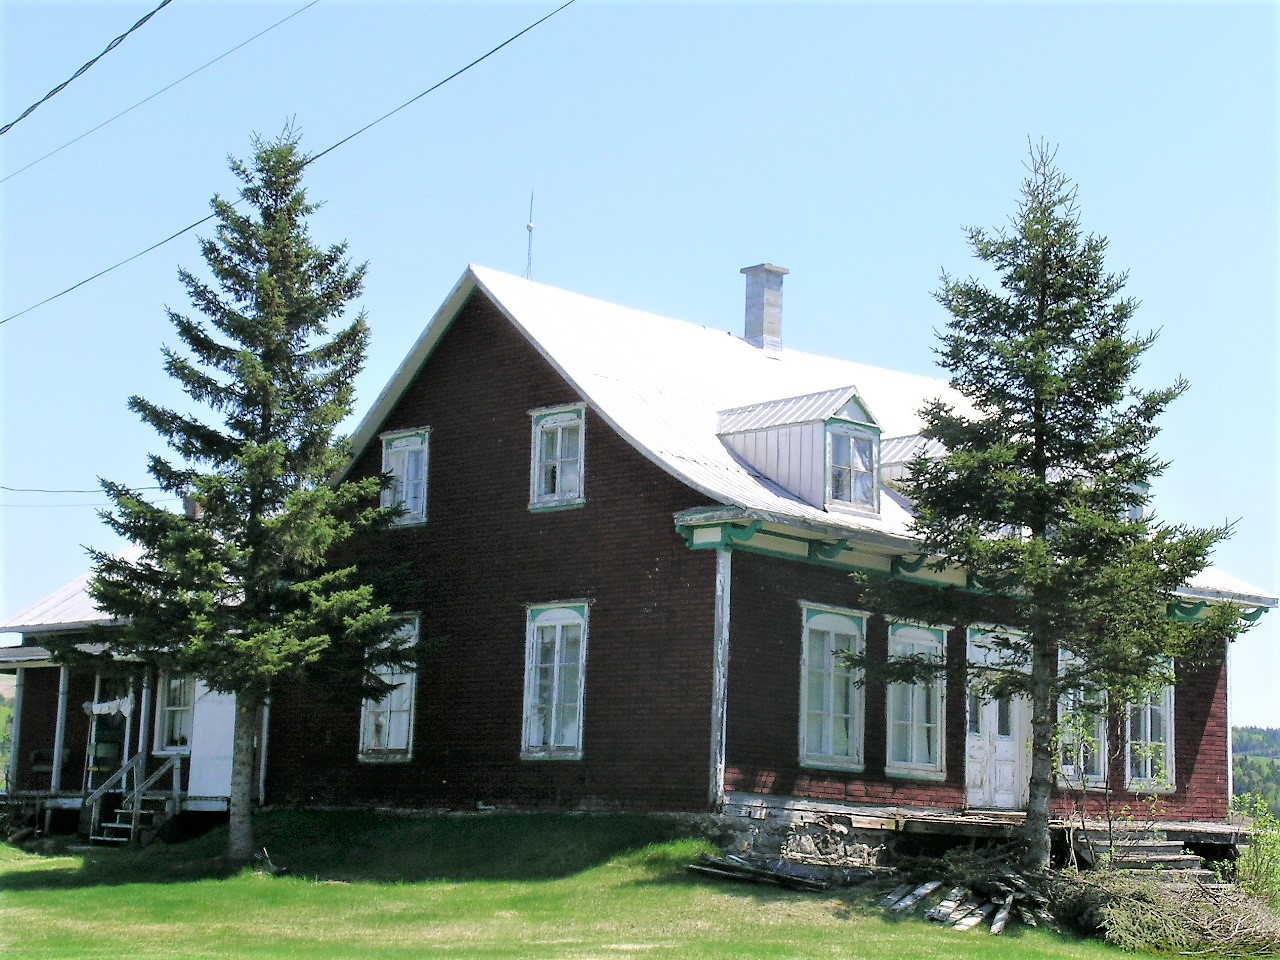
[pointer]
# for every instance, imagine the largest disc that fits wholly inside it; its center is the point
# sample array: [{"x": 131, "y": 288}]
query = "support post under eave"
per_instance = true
[
  {"x": 60, "y": 730},
  {"x": 1231, "y": 758},
  {"x": 15, "y": 741},
  {"x": 720, "y": 680}
]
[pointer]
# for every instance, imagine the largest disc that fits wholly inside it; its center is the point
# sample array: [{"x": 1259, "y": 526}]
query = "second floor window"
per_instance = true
[
  {"x": 404, "y": 456},
  {"x": 557, "y": 469}
]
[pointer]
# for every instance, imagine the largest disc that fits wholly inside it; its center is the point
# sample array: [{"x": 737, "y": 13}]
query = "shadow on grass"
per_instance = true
[{"x": 359, "y": 846}]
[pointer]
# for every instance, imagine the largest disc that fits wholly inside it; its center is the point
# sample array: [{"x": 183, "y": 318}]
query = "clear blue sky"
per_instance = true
[{"x": 667, "y": 145}]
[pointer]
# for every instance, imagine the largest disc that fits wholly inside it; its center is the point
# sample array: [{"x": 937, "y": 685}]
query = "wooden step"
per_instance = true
[{"x": 1180, "y": 862}]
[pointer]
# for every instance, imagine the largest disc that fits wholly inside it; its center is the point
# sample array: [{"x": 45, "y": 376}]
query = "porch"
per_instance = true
[{"x": 764, "y": 821}]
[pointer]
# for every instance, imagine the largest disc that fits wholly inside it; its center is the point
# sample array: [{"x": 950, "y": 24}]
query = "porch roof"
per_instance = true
[{"x": 30, "y": 655}]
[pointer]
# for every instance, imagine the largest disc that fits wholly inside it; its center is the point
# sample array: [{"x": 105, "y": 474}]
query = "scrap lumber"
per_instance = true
[
  {"x": 965, "y": 908},
  {"x": 897, "y": 894},
  {"x": 1002, "y": 916},
  {"x": 775, "y": 872},
  {"x": 916, "y": 895},
  {"x": 949, "y": 903},
  {"x": 975, "y": 918}
]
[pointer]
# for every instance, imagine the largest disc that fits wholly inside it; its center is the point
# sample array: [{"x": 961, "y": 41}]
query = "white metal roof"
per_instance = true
[
  {"x": 812, "y": 407},
  {"x": 663, "y": 384},
  {"x": 68, "y": 608}
]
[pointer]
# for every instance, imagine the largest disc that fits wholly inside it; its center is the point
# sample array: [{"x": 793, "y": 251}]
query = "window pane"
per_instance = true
[
  {"x": 864, "y": 488},
  {"x": 862, "y": 455},
  {"x": 926, "y": 747},
  {"x": 975, "y": 713},
  {"x": 814, "y": 739},
  {"x": 900, "y": 742},
  {"x": 817, "y": 691},
  {"x": 569, "y": 442},
  {"x": 569, "y": 486},
  {"x": 840, "y": 484},
  {"x": 840, "y": 453},
  {"x": 1004, "y": 717},
  {"x": 841, "y": 737}
]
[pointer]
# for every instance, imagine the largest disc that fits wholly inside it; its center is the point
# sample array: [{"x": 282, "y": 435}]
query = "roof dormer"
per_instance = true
[{"x": 823, "y": 448}]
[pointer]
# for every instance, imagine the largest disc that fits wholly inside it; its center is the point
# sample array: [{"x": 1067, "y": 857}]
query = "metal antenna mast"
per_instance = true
[{"x": 528, "y": 263}]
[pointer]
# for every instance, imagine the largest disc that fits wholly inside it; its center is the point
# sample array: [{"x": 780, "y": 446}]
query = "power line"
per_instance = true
[
  {"x": 310, "y": 160},
  {"x": 43, "y": 490},
  {"x": 62, "y": 86},
  {"x": 158, "y": 92}
]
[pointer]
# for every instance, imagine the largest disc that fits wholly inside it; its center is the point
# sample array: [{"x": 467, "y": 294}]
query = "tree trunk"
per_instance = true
[
  {"x": 240, "y": 845},
  {"x": 1044, "y": 669}
]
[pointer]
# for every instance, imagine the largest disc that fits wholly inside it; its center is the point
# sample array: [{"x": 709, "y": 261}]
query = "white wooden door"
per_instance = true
[
  {"x": 995, "y": 746},
  {"x": 212, "y": 725}
]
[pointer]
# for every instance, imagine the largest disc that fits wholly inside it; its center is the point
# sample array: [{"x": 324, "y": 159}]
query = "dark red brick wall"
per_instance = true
[
  {"x": 1200, "y": 756},
  {"x": 478, "y": 561},
  {"x": 764, "y": 710},
  {"x": 763, "y": 747},
  {"x": 37, "y": 729}
]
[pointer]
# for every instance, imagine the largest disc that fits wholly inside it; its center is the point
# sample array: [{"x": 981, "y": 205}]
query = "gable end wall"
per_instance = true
[{"x": 478, "y": 561}]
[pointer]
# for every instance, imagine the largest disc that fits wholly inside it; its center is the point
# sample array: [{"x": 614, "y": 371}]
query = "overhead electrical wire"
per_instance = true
[
  {"x": 62, "y": 86},
  {"x": 158, "y": 92},
  {"x": 310, "y": 160},
  {"x": 43, "y": 490}
]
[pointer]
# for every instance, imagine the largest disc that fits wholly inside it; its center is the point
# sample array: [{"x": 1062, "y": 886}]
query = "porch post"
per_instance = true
[
  {"x": 144, "y": 714},
  {"x": 262, "y": 750},
  {"x": 15, "y": 742},
  {"x": 59, "y": 730},
  {"x": 720, "y": 680}
]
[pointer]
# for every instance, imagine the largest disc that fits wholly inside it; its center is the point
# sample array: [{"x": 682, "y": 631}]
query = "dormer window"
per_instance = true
[
  {"x": 853, "y": 459},
  {"x": 853, "y": 466},
  {"x": 823, "y": 447}
]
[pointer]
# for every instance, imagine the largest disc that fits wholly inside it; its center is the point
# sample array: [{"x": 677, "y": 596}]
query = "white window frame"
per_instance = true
[
  {"x": 1082, "y": 762},
  {"x": 841, "y": 432},
  {"x": 553, "y": 421},
  {"x": 165, "y": 710},
  {"x": 554, "y": 690},
  {"x": 1155, "y": 771},
  {"x": 1077, "y": 766},
  {"x": 398, "y": 449},
  {"x": 824, "y": 682},
  {"x": 919, "y": 699},
  {"x": 400, "y": 701}
]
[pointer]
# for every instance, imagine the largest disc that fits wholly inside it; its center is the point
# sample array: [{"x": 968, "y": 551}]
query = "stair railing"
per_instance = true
[
  {"x": 114, "y": 782},
  {"x": 133, "y": 800}
]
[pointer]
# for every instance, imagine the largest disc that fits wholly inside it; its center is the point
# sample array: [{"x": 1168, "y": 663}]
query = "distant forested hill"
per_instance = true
[{"x": 1257, "y": 763}]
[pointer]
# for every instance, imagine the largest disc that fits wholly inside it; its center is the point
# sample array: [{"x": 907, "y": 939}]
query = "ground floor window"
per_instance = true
[
  {"x": 386, "y": 724},
  {"x": 1150, "y": 741},
  {"x": 175, "y": 713},
  {"x": 916, "y": 731},
  {"x": 1082, "y": 739},
  {"x": 832, "y": 702},
  {"x": 555, "y": 662}
]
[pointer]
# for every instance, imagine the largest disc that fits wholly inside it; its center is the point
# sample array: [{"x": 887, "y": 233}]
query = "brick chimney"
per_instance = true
[{"x": 764, "y": 306}]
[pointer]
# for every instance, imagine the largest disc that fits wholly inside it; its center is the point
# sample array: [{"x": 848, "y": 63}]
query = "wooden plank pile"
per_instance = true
[
  {"x": 998, "y": 896},
  {"x": 779, "y": 872}
]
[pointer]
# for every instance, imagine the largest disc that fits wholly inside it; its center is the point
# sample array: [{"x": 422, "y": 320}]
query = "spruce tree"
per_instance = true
[
  {"x": 238, "y": 590},
  {"x": 1042, "y": 493}
]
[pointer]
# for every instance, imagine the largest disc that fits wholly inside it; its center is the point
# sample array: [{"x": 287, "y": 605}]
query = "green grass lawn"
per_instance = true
[{"x": 365, "y": 885}]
